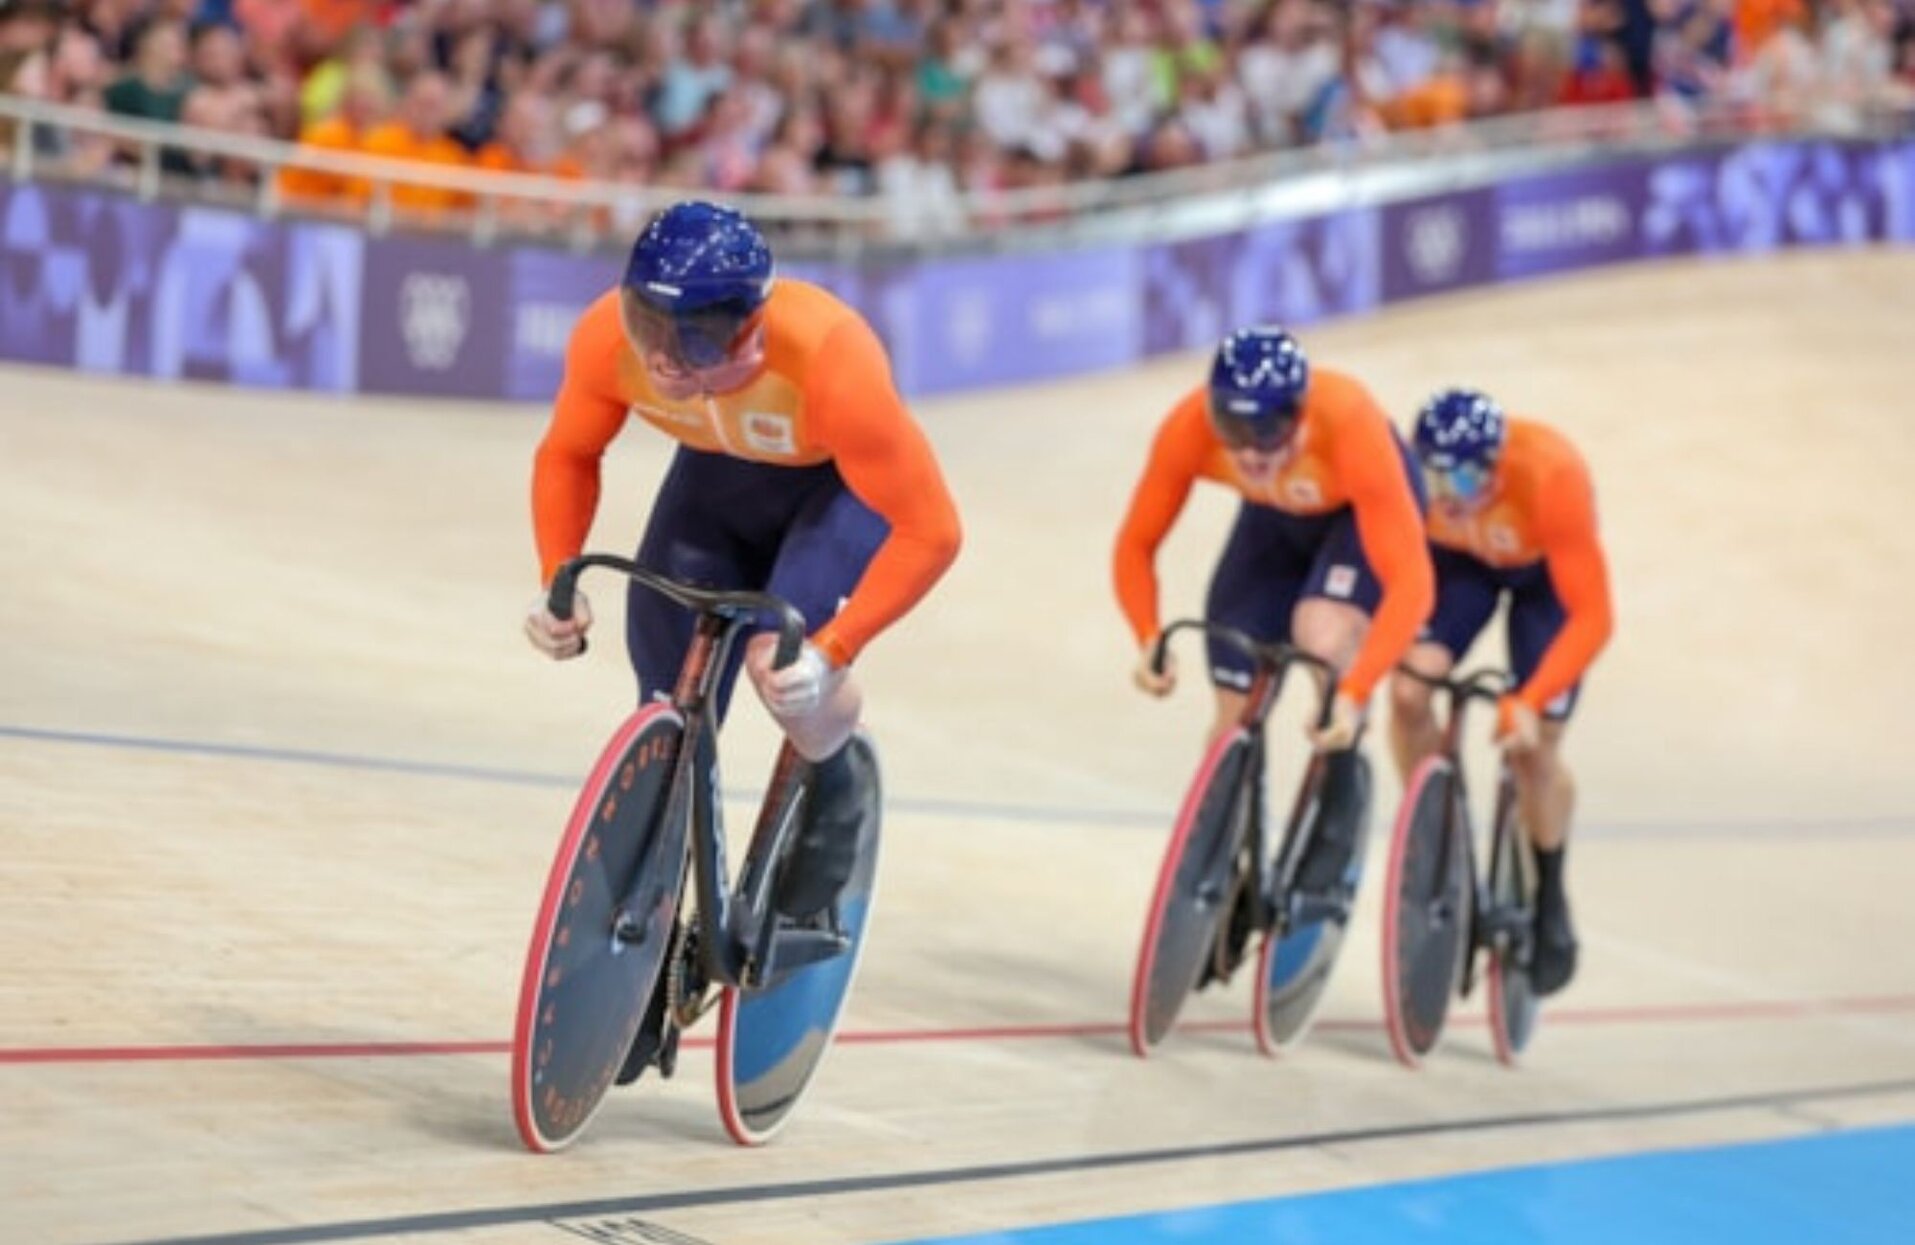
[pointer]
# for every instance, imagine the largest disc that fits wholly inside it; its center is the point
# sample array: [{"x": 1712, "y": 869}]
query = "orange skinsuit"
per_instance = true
[
  {"x": 825, "y": 395},
  {"x": 1343, "y": 453},
  {"x": 1543, "y": 509}
]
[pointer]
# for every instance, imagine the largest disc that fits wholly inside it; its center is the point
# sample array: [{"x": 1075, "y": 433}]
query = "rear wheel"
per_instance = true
[
  {"x": 1513, "y": 1004},
  {"x": 1293, "y": 970},
  {"x": 772, "y": 1038}
]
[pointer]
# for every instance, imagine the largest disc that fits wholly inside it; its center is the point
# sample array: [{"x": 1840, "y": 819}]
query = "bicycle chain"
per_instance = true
[{"x": 684, "y": 1013}]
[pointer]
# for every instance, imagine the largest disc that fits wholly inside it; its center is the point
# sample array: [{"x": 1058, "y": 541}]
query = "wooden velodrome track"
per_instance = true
[{"x": 279, "y": 780}]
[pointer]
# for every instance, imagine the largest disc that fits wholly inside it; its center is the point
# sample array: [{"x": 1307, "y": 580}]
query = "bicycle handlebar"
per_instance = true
[
  {"x": 791, "y": 624},
  {"x": 1488, "y": 684},
  {"x": 1276, "y": 657}
]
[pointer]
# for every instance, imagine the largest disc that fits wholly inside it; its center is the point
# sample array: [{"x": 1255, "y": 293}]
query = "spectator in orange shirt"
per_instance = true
[
  {"x": 528, "y": 140},
  {"x": 418, "y": 134},
  {"x": 1757, "y": 20},
  {"x": 363, "y": 108}
]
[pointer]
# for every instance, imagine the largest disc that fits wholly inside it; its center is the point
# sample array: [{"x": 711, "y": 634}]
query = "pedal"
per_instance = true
[
  {"x": 667, "y": 1060},
  {"x": 1504, "y": 926},
  {"x": 1310, "y": 907},
  {"x": 797, "y": 947}
]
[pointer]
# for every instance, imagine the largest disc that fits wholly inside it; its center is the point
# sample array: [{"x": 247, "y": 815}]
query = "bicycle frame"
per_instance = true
[
  {"x": 732, "y": 937},
  {"x": 1272, "y": 664},
  {"x": 1491, "y": 924}
]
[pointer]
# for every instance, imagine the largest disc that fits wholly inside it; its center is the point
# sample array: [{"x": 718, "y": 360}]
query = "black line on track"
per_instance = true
[{"x": 454, "y": 1221}]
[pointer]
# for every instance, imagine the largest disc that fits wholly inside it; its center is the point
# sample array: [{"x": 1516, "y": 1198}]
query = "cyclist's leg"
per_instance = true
[
  {"x": 1342, "y": 591},
  {"x": 1331, "y": 620},
  {"x": 825, "y": 552},
  {"x": 1466, "y": 596},
  {"x": 702, "y": 531},
  {"x": 706, "y": 529},
  {"x": 1254, "y": 589},
  {"x": 1545, "y": 788}
]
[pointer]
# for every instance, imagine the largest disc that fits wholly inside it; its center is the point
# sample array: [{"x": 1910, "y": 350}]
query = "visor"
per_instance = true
[
  {"x": 1243, "y": 423},
  {"x": 719, "y": 346},
  {"x": 1464, "y": 484}
]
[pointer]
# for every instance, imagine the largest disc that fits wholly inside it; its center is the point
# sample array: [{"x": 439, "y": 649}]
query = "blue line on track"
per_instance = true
[{"x": 1888, "y": 826}]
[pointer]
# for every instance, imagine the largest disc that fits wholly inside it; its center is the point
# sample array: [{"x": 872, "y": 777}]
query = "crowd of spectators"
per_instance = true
[{"x": 915, "y": 100}]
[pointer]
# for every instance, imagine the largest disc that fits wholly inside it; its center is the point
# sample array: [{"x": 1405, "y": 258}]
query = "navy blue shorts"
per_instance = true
[
  {"x": 1273, "y": 560},
  {"x": 722, "y": 522},
  {"x": 1468, "y": 591}
]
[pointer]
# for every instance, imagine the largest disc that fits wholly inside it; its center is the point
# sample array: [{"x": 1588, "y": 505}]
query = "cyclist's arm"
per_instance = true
[
  {"x": 586, "y": 415},
  {"x": 1175, "y": 457},
  {"x": 1390, "y": 527},
  {"x": 888, "y": 463},
  {"x": 1580, "y": 574}
]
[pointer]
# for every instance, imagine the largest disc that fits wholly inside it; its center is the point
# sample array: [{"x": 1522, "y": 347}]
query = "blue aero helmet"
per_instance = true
[
  {"x": 1459, "y": 437},
  {"x": 694, "y": 292},
  {"x": 1257, "y": 382}
]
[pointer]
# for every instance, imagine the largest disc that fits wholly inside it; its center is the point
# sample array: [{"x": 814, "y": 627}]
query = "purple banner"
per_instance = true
[
  {"x": 1436, "y": 244},
  {"x": 100, "y": 282},
  {"x": 104, "y": 283},
  {"x": 1302, "y": 271},
  {"x": 547, "y": 292},
  {"x": 435, "y": 319},
  {"x": 1568, "y": 220},
  {"x": 974, "y": 322}
]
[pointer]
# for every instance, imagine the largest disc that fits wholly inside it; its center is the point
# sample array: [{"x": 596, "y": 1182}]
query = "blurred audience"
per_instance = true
[{"x": 914, "y": 101}]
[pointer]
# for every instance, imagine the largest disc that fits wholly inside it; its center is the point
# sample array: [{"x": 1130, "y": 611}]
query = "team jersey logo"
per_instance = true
[{"x": 769, "y": 433}]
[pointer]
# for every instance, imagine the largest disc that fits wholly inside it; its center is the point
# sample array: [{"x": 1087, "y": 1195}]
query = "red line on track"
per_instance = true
[{"x": 1671, "y": 1013}]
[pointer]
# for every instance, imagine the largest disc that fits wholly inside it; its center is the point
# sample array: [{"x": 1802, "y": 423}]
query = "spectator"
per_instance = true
[
  {"x": 729, "y": 149},
  {"x": 528, "y": 140},
  {"x": 1008, "y": 95},
  {"x": 942, "y": 80},
  {"x": 691, "y": 82},
  {"x": 362, "y": 53},
  {"x": 1858, "y": 53},
  {"x": 156, "y": 88},
  {"x": 1289, "y": 63},
  {"x": 1601, "y": 76},
  {"x": 755, "y": 68},
  {"x": 1185, "y": 49},
  {"x": 268, "y": 27},
  {"x": 27, "y": 32},
  {"x": 477, "y": 97},
  {"x": 1131, "y": 82},
  {"x": 919, "y": 186},
  {"x": 419, "y": 134},
  {"x": 362, "y": 109},
  {"x": 222, "y": 98},
  {"x": 1692, "y": 52},
  {"x": 1216, "y": 113}
]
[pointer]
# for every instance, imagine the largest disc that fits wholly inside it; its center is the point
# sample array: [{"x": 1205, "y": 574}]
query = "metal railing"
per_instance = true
[{"x": 1200, "y": 199}]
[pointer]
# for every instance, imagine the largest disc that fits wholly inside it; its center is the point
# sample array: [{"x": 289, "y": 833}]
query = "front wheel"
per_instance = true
[
  {"x": 585, "y": 986},
  {"x": 1426, "y": 910},
  {"x": 1193, "y": 885}
]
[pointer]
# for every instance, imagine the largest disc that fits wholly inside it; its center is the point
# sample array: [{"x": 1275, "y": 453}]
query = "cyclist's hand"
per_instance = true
[
  {"x": 799, "y": 687},
  {"x": 1150, "y": 680},
  {"x": 1346, "y": 717},
  {"x": 1517, "y": 726},
  {"x": 555, "y": 638}
]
